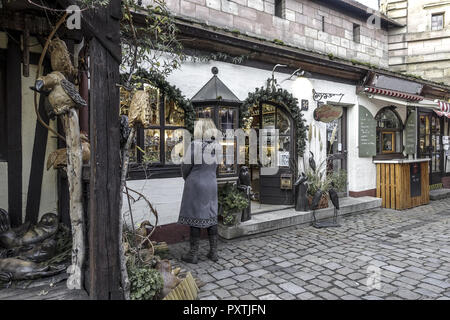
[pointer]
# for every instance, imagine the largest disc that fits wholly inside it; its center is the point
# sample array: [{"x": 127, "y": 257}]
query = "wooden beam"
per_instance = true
[
  {"x": 37, "y": 161},
  {"x": 14, "y": 127},
  {"x": 104, "y": 209}
]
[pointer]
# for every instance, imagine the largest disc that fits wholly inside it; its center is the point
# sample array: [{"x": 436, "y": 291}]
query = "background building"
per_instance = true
[{"x": 422, "y": 46}]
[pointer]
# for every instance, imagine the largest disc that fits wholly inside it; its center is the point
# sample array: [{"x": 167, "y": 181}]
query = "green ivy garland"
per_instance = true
[
  {"x": 171, "y": 92},
  {"x": 281, "y": 97}
]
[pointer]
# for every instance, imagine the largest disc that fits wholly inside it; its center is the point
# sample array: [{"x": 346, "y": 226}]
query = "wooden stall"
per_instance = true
[{"x": 403, "y": 184}]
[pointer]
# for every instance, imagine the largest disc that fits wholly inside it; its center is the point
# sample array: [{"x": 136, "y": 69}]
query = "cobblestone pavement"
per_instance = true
[{"x": 380, "y": 254}]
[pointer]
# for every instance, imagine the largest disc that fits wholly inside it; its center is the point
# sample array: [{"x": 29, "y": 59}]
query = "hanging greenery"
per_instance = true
[
  {"x": 281, "y": 97},
  {"x": 172, "y": 93}
]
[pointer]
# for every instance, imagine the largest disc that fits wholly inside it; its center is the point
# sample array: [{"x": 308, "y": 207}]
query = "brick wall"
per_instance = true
[{"x": 300, "y": 25}]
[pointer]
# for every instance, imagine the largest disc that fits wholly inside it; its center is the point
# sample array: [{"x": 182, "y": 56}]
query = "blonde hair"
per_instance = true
[{"x": 204, "y": 127}]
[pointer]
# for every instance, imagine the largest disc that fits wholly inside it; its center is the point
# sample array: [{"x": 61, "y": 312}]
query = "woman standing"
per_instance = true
[{"x": 199, "y": 202}]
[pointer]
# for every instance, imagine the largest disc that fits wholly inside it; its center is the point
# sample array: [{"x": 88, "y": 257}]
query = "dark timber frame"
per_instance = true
[{"x": 14, "y": 127}]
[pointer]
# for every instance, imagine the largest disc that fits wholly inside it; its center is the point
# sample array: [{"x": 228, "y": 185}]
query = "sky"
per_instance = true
[{"x": 370, "y": 3}]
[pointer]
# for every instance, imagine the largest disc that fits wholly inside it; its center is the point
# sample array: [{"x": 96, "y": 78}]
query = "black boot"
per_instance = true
[
  {"x": 212, "y": 235},
  {"x": 192, "y": 255}
]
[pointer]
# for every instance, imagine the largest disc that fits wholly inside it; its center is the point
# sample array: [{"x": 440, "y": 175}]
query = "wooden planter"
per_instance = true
[{"x": 322, "y": 204}]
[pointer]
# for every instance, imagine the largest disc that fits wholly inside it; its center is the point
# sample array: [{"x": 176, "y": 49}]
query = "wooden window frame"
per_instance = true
[
  {"x": 380, "y": 131},
  {"x": 437, "y": 14},
  {"x": 139, "y": 170}
]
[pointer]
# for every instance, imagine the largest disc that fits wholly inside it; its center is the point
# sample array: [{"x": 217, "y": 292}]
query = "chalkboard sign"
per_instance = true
[
  {"x": 367, "y": 133},
  {"x": 415, "y": 180},
  {"x": 410, "y": 134}
]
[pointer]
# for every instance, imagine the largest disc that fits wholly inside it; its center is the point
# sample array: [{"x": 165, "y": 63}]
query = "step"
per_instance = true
[
  {"x": 275, "y": 220},
  {"x": 439, "y": 194}
]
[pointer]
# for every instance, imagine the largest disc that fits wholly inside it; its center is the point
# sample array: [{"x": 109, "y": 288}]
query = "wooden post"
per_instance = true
[
  {"x": 14, "y": 127},
  {"x": 74, "y": 176},
  {"x": 104, "y": 210}
]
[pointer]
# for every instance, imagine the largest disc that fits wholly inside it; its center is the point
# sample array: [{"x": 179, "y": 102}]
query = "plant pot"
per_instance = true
[
  {"x": 236, "y": 219},
  {"x": 323, "y": 203}
]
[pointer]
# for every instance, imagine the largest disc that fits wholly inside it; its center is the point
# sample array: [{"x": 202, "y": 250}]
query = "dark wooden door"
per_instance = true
[
  {"x": 337, "y": 152},
  {"x": 430, "y": 144},
  {"x": 271, "y": 192}
]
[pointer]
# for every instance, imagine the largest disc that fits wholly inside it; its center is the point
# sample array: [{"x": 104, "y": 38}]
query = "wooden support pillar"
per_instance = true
[
  {"x": 14, "y": 127},
  {"x": 104, "y": 210}
]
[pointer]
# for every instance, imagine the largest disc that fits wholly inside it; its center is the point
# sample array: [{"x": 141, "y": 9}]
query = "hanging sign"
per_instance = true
[
  {"x": 367, "y": 133},
  {"x": 410, "y": 133},
  {"x": 327, "y": 113}
]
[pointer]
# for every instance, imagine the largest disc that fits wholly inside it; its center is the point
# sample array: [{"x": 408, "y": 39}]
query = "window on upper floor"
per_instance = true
[
  {"x": 437, "y": 21},
  {"x": 323, "y": 23},
  {"x": 356, "y": 33},
  {"x": 279, "y": 8}
]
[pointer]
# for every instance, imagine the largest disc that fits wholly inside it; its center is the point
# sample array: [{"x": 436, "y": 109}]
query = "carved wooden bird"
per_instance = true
[
  {"x": 312, "y": 163},
  {"x": 58, "y": 158},
  {"x": 60, "y": 58},
  {"x": 63, "y": 94}
]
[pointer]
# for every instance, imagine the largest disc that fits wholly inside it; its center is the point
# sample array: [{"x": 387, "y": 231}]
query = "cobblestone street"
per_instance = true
[{"x": 380, "y": 254}]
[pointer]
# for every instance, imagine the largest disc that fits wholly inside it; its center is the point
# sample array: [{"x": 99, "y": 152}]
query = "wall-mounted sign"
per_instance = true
[
  {"x": 286, "y": 181},
  {"x": 367, "y": 133},
  {"x": 327, "y": 113},
  {"x": 415, "y": 180},
  {"x": 410, "y": 133}
]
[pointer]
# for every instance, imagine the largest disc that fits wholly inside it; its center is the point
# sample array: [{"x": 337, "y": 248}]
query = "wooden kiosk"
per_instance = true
[{"x": 403, "y": 183}]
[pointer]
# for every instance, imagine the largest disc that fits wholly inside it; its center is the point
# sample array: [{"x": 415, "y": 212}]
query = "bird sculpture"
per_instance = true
[
  {"x": 244, "y": 176},
  {"x": 312, "y": 163},
  {"x": 60, "y": 58},
  {"x": 301, "y": 188},
  {"x": 315, "y": 204},
  {"x": 335, "y": 200},
  {"x": 62, "y": 94},
  {"x": 58, "y": 158},
  {"x": 24, "y": 235}
]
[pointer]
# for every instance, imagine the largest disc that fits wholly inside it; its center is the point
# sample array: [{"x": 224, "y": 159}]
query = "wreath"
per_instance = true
[
  {"x": 281, "y": 97},
  {"x": 171, "y": 92}
]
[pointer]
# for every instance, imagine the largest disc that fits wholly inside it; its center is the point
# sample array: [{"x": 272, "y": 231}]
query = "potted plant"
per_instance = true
[
  {"x": 319, "y": 179},
  {"x": 231, "y": 203}
]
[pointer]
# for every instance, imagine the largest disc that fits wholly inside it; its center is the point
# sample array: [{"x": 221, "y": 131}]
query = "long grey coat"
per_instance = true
[{"x": 199, "y": 202}]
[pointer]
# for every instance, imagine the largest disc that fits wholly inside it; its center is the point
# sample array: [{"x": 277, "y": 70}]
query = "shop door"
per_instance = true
[
  {"x": 337, "y": 152},
  {"x": 430, "y": 144},
  {"x": 270, "y": 187}
]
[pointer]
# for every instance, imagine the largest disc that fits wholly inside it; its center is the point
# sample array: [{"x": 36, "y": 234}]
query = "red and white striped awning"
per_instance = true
[
  {"x": 441, "y": 113},
  {"x": 395, "y": 94},
  {"x": 443, "y": 106}
]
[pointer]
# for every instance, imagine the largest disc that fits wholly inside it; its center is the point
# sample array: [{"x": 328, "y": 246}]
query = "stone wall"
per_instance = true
[
  {"x": 300, "y": 25},
  {"x": 416, "y": 49}
]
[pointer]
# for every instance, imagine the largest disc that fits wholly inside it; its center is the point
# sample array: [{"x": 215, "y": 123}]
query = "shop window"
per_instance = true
[
  {"x": 389, "y": 132},
  {"x": 224, "y": 117},
  {"x": 154, "y": 144},
  {"x": 437, "y": 21}
]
